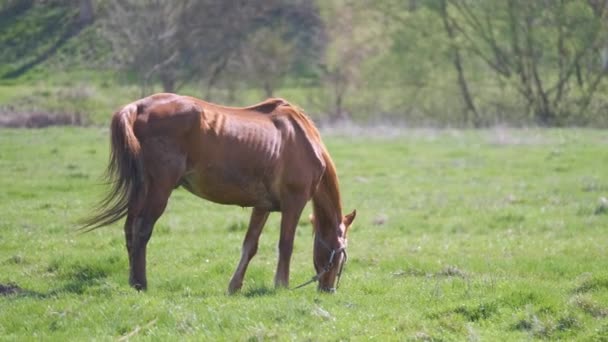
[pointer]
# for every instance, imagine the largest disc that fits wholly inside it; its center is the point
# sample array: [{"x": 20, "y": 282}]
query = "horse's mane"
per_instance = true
[
  {"x": 267, "y": 106},
  {"x": 328, "y": 191}
]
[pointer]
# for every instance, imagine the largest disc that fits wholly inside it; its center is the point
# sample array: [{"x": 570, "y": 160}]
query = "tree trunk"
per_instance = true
[
  {"x": 457, "y": 61},
  {"x": 339, "y": 110},
  {"x": 544, "y": 112},
  {"x": 168, "y": 83},
  {"x": 87, "y": 15},
  {"x": 268, "y": 89},
  {"x": 340, "y": 87}
]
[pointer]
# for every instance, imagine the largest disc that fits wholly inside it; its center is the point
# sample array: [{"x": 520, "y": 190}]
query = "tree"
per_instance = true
[
  {"x": 282, "y": 42},
  {"x": 144, "y": 39},
  {"x": 456, "y": 58},
  {"x": 177, "y": 41},
  {"x": 512, "y": 60},
  {"x": 267, "y": 57},
  {"x": 349, "y": 43},
  {"x": 548, "y": 50}
]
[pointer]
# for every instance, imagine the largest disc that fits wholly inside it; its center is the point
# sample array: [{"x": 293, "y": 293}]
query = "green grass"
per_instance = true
[{"x": 460, "y": 235}]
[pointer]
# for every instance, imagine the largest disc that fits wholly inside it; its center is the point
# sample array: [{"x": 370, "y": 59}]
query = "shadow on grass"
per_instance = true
[
  {"x": 260, "y": 292},
  {"x": 9, "y": 289},
  {"x": 78, "y": 279}
]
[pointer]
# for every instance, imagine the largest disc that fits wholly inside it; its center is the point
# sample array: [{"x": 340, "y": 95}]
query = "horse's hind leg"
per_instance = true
[
  {"x": 250, "y": 247},
  {"x": 141, "y": 231},
  {"x": 163, "y": 170},
  {"x": 129, "y": 233}
]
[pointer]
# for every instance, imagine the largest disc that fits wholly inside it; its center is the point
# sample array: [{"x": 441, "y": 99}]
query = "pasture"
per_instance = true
[{"x": 488, "y": 235}]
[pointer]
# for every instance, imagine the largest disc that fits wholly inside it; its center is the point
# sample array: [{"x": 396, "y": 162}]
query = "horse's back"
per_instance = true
[
  {"x": 166, "y": 115},
  {"x": 246, "y": 156}
]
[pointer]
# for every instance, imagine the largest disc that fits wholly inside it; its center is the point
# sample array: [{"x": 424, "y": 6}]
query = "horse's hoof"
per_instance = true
[
  {"x": 327, "y": 289},
  {"x": 139, "y": 287},
  {"x": 233, "y": 289}
]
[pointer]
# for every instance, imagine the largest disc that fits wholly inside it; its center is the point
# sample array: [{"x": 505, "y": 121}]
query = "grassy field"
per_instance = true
[{"x": 460, "y": 235}]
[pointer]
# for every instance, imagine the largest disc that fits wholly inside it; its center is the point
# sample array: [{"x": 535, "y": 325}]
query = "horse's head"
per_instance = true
[{"x": 330, "y": 251}]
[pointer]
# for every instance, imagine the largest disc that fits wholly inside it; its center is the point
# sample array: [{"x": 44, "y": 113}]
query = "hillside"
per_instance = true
[
  {"x": 416, "y": 63},
  {"x": 33, "y": 34}
]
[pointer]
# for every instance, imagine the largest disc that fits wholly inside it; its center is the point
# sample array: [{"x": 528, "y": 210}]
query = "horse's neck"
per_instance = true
[{"x": 326, "y": 202}]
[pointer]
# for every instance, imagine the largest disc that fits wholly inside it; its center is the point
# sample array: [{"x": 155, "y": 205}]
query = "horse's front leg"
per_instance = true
[
  {"x": 250, "y": 247},
  {"x": 289, "y": 220}
]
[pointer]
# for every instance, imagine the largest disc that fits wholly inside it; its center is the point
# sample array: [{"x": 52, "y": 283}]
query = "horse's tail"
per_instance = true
[{"x": 125, "y": 171}]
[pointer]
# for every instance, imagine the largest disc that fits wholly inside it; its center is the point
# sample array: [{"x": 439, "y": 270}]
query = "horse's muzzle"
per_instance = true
[{"x": 327, "y": 289}]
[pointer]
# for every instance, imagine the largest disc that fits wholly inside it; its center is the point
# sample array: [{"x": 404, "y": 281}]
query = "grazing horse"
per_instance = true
[{"x": 268, "y": 156}]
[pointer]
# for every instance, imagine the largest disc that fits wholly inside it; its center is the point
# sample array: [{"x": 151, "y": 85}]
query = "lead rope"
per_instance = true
[
  {"x": 318, "y": 276},
  {"x": 312, "y": 280},
  {"x": 341, "y": 267}
]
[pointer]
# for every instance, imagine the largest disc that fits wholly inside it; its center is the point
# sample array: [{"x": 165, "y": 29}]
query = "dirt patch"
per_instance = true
[
  {"x": 39, "y": 119},
  {"x": 9, "y": 289}
]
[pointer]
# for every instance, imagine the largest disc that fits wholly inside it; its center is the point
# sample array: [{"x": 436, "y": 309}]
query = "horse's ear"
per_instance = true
[
  {"x": 311, "y": 218},
  {"x": 349, "y": 218}
]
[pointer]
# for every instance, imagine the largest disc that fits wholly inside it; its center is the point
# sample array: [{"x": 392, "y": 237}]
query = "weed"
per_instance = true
[
  {"x": 592, "y": 284},
  {"x": 478, "y": 312}
]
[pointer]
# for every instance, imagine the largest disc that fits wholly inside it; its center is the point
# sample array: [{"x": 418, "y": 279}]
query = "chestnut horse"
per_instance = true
[{"x": 268, "y": 156}]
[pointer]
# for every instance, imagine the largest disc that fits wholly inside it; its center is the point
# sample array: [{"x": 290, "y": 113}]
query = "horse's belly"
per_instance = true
[{"x": 233, "y": 189}]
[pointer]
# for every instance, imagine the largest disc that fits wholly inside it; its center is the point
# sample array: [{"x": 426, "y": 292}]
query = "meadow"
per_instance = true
[{"x": 490, "y": 235}]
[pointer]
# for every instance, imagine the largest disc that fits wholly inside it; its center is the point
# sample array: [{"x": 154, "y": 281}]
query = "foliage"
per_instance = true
[
  {"x": 550, "y": 54},
  {"x": 25, "y": 38},
  {"x": 415, "y": 62},
  {"x": 269, "y": 57},
  {"x": 460, "y": 235},
  {"x": 546, "y": 57}
]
